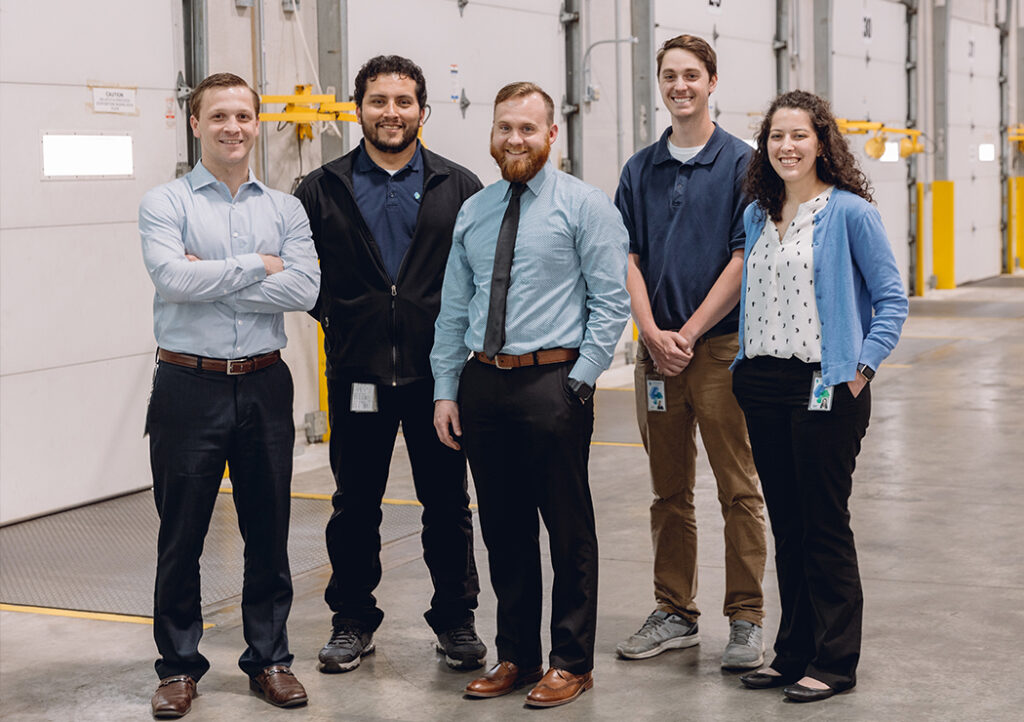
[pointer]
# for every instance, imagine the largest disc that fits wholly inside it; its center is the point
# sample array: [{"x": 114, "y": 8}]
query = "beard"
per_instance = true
[
  {"x": 520, "y": 170},
  {"x": 371, "y": 134}
]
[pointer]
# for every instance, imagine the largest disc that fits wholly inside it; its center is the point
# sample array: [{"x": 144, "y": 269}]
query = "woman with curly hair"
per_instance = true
[{"x": 822, "y": 304}]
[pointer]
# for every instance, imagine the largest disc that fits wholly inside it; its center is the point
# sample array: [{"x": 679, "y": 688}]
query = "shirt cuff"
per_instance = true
[
  {"x": 252, "y": 266},
  {"x": 585, "y": 371},
  {"x": 446, "y": 388}
]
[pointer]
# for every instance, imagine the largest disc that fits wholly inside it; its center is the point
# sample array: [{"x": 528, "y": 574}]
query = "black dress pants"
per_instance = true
[
  {"x": 527, "y": 438},
  {"x": 361, "y": 449},
  {"x": 197, "y": 421},
  {"x": 805, "y": 460}
]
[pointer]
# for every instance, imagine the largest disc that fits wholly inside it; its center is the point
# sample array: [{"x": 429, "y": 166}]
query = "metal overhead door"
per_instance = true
[
  {"x": 868, "y": 82},
  {"x": 470, "y": 52},
  {"x": 77, "y": 351},
  {"x": 972, "y": 143}
]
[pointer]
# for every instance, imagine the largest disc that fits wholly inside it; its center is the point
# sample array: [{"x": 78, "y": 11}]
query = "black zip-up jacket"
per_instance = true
[{"x": 376, "y": 330}]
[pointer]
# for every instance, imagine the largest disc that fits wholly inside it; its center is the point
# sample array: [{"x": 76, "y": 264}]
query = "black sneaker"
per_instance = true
[
  {"x": 345, "y": 649},
  {"x": 461, "y": 648}
]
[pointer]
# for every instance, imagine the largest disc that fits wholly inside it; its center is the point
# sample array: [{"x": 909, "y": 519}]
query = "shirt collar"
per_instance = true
[
  {"x": 364, "y": 163},
  {"x": 534, "y": 184},
  {"x": 706, "y": 156},
  {"x": 200, "y": 177}
]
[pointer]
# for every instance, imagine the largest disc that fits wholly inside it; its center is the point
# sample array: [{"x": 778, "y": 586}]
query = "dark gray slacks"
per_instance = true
[
  {"x": 805, "y": 460},
  {"x": 197, "y": 421},
  {"x": 527, "y": 438}
]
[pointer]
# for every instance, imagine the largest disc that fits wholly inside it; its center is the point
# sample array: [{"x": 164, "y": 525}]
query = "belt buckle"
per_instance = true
[
  {"x": 497, "y": 363},
  {"x": 231, "y": 366}
]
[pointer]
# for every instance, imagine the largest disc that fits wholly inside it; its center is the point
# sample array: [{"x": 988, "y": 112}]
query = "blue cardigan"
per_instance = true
[{"x": 854, "y": 273}]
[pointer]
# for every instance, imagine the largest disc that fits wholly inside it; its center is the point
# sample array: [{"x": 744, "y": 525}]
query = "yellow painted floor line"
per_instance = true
[
  {"x": 615, "y": 388},
  {"x": 897, "y": 366},
  {"x": 75, "y": 614},
  {"x": 617, "y": 443}
]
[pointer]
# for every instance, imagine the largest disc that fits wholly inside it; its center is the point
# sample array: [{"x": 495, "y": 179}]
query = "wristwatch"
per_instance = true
[
  {"x": 582, "y": 390},
  {"x": 866, "y": 371}
]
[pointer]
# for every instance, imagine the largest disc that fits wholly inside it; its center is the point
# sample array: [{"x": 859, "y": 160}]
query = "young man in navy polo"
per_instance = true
[{"x": 682, "y": 204}]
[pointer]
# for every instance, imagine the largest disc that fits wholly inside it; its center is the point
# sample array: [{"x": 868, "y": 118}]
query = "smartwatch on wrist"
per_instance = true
[
  {"x": 582, "y": 390},
  {"x": 866, "y": 371}
]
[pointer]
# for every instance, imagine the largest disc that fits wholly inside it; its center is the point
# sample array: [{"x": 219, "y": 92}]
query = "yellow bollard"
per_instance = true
[{"x": 943, "y": 256}]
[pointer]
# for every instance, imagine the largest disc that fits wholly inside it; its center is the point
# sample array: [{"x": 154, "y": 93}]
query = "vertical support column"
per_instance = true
[
  {"x": 196, "y": 61},
  {"x": 573, "y": 103},
  {"x": 332, "y": 64},
  {"x": 823, "y": 48},
  {"x": 943, "y": 248},
  {"x": 641, "y": 16},
  {"x": 914, "y": 191},
  {"x": 781, "y": 46},
  {"x": 940, "y": 65}
]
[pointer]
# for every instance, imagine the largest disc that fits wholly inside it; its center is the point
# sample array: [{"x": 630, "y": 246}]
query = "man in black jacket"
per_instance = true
[{"x": 382, "y": 219}]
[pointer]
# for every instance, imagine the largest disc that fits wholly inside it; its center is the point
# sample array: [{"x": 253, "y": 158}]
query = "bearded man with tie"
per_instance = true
[{"x": 535, "y": 289}]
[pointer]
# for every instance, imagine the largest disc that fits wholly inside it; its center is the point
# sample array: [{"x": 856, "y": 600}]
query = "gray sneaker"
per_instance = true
[
  {"x": 661, "y": 631},
  {"x": 345, "y": 649},
  {"x": 745, "y": 649}
]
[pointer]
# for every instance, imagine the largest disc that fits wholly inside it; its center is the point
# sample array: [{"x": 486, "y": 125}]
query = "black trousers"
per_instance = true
[
  {"x": 361, "y": 449},
  {"x": 527, "y": 438},
  {"x": 197, "y": 420},
  {"x": 805, "y": 460}
]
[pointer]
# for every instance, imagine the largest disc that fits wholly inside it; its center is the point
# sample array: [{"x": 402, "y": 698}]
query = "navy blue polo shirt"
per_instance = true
[
  {"x": 389, "y": 204},
  {"x": 684, "y": 222}
]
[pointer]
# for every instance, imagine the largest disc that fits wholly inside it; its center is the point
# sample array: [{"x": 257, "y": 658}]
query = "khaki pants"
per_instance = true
[{"x": 702, "y": 395}]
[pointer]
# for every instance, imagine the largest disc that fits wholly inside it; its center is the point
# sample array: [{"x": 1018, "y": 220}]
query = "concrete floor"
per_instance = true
[{"x": 937, "y": 508}]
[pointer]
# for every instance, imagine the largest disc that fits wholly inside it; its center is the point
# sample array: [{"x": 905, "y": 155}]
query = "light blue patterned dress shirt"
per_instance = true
[
  {"x": 225, "y": 305},
  {"x": 568, "y": 287}
]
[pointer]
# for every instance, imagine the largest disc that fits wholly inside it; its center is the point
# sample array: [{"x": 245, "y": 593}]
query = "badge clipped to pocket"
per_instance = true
[
  {"x": 821, "y": 395},
  {"x": 656, "y": 394},
  {"x": 364, "y": 398}
]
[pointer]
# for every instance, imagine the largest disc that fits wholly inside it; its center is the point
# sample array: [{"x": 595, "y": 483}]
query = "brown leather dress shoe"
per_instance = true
[
  {"x": 559, "y": 687},
  {"x": 173, "y": 698},
  {"x": 279, "y": 686},
  {"x": 501, "y": 679}
]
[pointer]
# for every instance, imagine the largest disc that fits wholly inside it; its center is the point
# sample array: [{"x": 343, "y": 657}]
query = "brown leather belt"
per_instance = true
[
  {"x": 536, "y": 358},
  {"x": 231, "y": 367}
]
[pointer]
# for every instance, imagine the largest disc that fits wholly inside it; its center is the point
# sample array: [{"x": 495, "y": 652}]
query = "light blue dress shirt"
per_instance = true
[
  {"x": 568, "y": 287},
  {"x": 225, "y": 305}
]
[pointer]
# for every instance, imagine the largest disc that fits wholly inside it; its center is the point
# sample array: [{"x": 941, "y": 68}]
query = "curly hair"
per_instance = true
[
  {"x": 386, "y": 65},
  {"x": 836, "y": 165}
]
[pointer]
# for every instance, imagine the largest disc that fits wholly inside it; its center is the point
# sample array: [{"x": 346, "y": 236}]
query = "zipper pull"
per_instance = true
[{"x": 394, "y": 290}]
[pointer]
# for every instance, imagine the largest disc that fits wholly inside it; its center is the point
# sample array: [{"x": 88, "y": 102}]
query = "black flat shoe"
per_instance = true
[
  {"x": 799, "y": 693},
  {"x": 760, "y": 680}
]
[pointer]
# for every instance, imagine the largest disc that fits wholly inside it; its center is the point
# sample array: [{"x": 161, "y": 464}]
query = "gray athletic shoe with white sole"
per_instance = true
[
  {"x": 345, "y": 649},
  {"x": 745, "y": 649},
  {"x": 661, "y": 631}
]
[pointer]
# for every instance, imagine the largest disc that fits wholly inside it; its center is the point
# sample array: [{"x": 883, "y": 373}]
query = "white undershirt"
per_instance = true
[
  {"x": 682, "y": 154},
  {"x": 781, "y": 315}
]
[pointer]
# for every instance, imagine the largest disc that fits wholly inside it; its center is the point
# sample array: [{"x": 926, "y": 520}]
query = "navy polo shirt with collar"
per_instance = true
[
  {"x": 389, "y": 203},
  {"x": 684, "y": 222}
]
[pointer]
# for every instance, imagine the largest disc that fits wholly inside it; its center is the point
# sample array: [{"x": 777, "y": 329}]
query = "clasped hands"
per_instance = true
[{"x": 671, "y": 351}]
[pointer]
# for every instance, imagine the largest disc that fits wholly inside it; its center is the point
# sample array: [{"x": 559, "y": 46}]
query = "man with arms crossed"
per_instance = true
[
  {"x": 682, "y": 204},
  {"x": 228, "y": 256},
  {"x": 535, "y": 289},
  {"x": 382, "y": 219}
]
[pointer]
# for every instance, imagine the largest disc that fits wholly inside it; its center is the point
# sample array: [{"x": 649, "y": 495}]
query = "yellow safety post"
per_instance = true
[
  {"x": 1015, "y": 223},
  {"x": 321, "y": 368},
  {"x": 943, "y": 257},
  {"x": 919, "y": 246}
]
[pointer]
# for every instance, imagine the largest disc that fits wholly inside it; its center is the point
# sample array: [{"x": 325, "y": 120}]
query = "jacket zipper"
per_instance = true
[{"x": 394, "y": 336}]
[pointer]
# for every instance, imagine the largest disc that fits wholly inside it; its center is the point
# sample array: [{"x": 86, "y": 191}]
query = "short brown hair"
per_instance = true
[
  {"x": 219, "y": 80},
  {"x": 523, "y": 88},
  {"x": 691, "y": 43}
]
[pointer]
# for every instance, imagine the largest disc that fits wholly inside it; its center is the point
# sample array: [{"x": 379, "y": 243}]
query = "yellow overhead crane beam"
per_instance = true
[{"x": 875, "y": 146}]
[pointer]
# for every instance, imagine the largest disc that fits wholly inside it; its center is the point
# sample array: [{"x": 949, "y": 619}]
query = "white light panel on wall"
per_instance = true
[
  {"x": 986, "y": 152},
  {"x": 892, "y": 152},
  {"x": 83, "y": 155}
]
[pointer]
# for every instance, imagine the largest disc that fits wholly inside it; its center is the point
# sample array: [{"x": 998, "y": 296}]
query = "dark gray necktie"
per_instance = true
[{"x": 494, "y": 336}]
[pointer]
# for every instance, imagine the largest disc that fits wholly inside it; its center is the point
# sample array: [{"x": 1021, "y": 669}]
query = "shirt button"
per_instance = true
[
  {"x": 235, "y": 235},
  {"x": 239, "y": 323}
]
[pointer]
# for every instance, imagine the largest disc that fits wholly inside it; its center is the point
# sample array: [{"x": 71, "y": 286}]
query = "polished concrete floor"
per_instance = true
[{"x": 938, "y": 511}]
